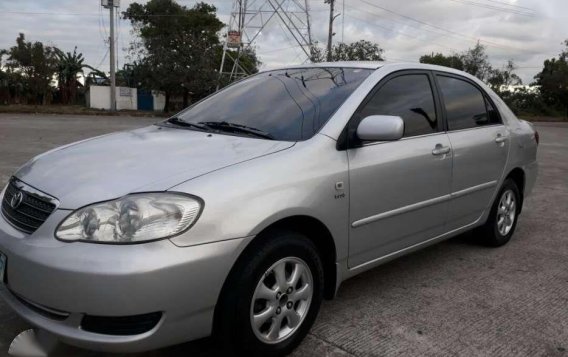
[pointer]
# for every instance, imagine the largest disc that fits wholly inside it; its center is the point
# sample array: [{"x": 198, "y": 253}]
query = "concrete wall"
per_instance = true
[{"x": 99, "y": 97}]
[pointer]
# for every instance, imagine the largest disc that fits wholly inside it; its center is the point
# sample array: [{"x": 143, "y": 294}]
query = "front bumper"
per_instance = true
[{"x": 79, "y": 279}]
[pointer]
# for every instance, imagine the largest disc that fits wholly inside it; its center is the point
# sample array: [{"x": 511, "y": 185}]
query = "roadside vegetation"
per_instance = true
[
  {"x": 177, "y": 50},
  {"x": 545, "y": 97}
]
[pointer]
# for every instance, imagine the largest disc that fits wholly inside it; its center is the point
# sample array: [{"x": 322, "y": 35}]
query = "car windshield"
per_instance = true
[{"x": 289, "y": 105}]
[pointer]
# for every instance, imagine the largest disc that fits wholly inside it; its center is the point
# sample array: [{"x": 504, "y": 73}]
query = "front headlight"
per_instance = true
[{"x": 132, "y": 219}]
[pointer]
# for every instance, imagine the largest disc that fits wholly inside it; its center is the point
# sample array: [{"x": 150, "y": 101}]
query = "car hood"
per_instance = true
[{"x": 154, "y": 158}]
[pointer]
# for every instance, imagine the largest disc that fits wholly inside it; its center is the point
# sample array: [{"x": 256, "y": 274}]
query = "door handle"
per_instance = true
[
  {"x": 440, "y": 150},
  {"x": 500, "y": 139}
]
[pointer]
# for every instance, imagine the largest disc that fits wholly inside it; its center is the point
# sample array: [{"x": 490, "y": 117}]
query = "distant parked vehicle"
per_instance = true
[{"x": 240, "y": 214}]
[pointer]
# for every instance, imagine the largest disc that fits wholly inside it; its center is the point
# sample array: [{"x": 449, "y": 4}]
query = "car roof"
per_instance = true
[
  {"x": 370, "y": 65},
  {"x": 374, "y": 65},
  {"x": 344, "y": 64}
]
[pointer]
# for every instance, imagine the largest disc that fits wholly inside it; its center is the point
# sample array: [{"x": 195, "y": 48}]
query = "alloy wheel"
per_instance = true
[
  {"x": 506, "y": 212},
  {"x": 281, "y": 300}
]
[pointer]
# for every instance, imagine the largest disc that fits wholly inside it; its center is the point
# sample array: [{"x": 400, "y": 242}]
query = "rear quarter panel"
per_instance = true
[{"x": 523, "y": 148}]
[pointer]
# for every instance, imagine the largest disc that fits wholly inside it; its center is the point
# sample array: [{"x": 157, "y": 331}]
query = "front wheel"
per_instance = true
[
  {"x": 503, "y": 217},
  {"x": 272, "y": 298}
]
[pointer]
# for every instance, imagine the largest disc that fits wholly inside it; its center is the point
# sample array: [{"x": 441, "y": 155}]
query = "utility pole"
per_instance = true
[
  {"x": 332, "y": 17},
  {"x": 111, "y": 4}
]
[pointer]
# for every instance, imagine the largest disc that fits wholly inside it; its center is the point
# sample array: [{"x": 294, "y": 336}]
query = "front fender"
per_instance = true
[{"x": 243, "y": 199}]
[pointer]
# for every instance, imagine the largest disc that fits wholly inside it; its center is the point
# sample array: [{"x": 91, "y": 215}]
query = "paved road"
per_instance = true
[{"x": 455, "y": 298}]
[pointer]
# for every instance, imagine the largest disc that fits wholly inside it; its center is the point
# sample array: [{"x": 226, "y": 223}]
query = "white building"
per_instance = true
[{"x": 98, "y": 97}]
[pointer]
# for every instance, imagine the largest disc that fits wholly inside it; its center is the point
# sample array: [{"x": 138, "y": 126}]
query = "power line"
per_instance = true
[
  {"x": 102, "y": 27},
  {"x": 278, "y": 49},
  {"x": 498, "y": 8},
  {"x": 509, "y": 4},
  {"x": 454, "y": 33},
  {"x": 298, "y": 53},
  {"x": 400, "y": 32},
  {"x": 367, "y": 12},
  {"x": 415, "y": 37},
  {"x": 416, "y": 61},
  {"x": 103, "y": 59},
  {"x": 49, "y": 13},
  {"x": 75, "y": 14},
  {"x": 104, "y": 36}
]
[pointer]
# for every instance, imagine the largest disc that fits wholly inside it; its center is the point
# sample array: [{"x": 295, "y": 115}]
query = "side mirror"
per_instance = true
[{"x": 380, "y": 128}]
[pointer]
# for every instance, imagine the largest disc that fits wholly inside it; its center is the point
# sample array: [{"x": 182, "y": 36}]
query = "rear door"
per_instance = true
[
  {"x": 399, "y": 190},
  {"x": 480, "y": 144}
]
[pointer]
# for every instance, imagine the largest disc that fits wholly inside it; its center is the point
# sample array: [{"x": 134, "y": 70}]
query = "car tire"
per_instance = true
[
  {"x": 502, "y": 221},
  {"x": 256, "y": 289}
]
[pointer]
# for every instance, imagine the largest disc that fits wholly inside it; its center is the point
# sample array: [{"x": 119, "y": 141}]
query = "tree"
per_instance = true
[
  {"x": 69, "y": 66},
  {"x": 317, "y": 53},
  {"x": 524, "y": 101},
  {"x": 473, "y": 61},
  {"x": 3, "y": 75},
  {"x": 356, "y": 51},
  {"x": 553, "y": 81},
  {"x": 35, "y": 65},
  {"x": 499, "y": 78},
  {"x": 452, "y": 61},
  {"x": 177, "y": 46},
  {"x": 4, "y": 91},
  {"x": 476, "y": 62}
]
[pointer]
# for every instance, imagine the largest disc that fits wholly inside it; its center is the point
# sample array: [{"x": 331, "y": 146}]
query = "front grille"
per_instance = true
[
  {"x": 31, "y": 211},
  {"x": 121, "y": 325}
]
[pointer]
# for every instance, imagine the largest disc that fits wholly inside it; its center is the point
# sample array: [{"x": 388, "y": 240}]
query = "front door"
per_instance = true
[
  {"x": 399, "y": 190},
  {"x": 480, "y": 143}
]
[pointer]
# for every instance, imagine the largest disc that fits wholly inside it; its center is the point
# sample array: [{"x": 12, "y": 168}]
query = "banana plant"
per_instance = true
[{"x": 69, "y": 66}]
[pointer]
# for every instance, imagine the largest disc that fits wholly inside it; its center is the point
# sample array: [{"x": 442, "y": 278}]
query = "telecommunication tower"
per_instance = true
[{"x": 250, "y": 17}]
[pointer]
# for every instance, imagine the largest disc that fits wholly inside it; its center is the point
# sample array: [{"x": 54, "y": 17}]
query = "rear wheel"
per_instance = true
[
  {"x": 503, "y": 217},
  {"x": 272, "y": 297}
]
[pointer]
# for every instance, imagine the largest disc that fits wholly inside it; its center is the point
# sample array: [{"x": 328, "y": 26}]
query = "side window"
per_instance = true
[
  {"x": 409, "y": 97},
  {"x": 466, "y": 106}
]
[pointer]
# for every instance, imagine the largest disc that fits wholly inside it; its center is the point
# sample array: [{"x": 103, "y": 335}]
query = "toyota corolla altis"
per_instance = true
[{"x": 239, "y": 215}]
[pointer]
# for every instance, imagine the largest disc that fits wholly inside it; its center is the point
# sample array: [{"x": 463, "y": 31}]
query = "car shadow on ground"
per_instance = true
[{"x": 198, "y": 348}]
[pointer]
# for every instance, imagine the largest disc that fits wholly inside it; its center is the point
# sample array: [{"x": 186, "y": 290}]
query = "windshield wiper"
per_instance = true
[
  {"x": 180, "y": 122},
  {"x": 226, "y": 126}
]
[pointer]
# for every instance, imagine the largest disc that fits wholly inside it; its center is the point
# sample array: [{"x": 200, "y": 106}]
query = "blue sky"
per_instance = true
[{"x": 457, "y": 25}]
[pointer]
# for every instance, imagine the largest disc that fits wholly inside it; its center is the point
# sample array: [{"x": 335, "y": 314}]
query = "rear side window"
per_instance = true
[
  {"x": 466, "y": 106},
  {"x": 409, "y": 97}
]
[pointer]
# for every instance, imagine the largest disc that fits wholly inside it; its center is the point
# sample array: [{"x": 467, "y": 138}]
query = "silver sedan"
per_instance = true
[{"x": 239, "y": 215}]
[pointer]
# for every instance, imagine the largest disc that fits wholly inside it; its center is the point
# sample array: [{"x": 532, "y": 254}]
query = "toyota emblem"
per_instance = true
[{"x": 16, "y": 200}]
